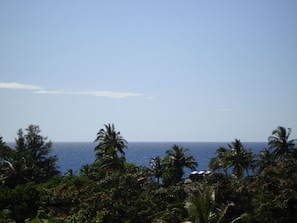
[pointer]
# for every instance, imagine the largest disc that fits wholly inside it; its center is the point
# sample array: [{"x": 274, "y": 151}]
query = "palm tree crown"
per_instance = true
[
  {"x": 110, "y": 141},
  {"x": 110, "y": 144},
  {"x": 175, "y": 161},
  {"x": 240, "y": 158},
  {"x": 179, "y": 158},
  {"x": 236, "y": 156},
  {"x": 279, "y": 141},
  {"x": 221, "y": 161}
]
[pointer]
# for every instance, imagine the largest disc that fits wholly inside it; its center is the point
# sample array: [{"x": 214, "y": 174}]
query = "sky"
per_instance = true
[{"x": 160, "y": 70}]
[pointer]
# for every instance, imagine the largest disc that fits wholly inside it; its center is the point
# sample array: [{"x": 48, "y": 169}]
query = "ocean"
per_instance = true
[{"x": 73, "y": 155}]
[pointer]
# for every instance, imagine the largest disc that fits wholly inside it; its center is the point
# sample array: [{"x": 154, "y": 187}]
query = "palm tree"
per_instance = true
[
  {"x": 203, "y": 208},
  {"x": 240, "y": 158},
  {"x": 175, "y": 162},
  {"x": 110, "y": 144},
  {"x": 279, "y": 141},
  {"x": 157, "y": 167},
  {"x": 221, "y": 161}
]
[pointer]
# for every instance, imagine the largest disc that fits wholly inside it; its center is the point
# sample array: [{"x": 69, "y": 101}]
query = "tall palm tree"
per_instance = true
[
  {"x": 240, "y": 158},
  {"x": 279, "y": 142},
  {"x": 110, "y": 143},
  {"x": 175, "y": 162}
]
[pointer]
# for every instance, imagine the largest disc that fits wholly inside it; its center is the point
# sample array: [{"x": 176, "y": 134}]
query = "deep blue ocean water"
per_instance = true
[{"x": 73, "y": 155}]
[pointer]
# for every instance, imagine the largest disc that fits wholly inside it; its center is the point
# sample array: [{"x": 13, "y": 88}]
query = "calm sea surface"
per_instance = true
[{"x": 75, "y": 155}]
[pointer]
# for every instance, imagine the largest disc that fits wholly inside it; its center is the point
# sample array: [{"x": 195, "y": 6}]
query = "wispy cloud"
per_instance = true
[
  {"x": 40, "y": 90},
  {"x": 14, "y": 85},
  {"x": 110, "y": 94}
]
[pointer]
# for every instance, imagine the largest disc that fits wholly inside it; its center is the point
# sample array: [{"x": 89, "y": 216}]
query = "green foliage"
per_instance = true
[
  {"x": 157, "y": 168},
  {"x": 201, "y": 204},
  {"x": 30, "y": 161},
  {"x": 221, "y": 161},
  {"x": 22, "y": 201},
  {"x": 171, "y": 176},
  {"x": 174, "y": 163},
  {"x": 275, "y": 195},
  {"x": 117, "y": 197},
  {"x": 239, "y": 158},
  {"x": 280, "y": 144},
  {"x": 236, "y": 157},
  {"x": 175, "y": 213},
  {"x": 5, "y": 151},
  {"x": 126, "y": 193},
  {"x": 5, "y": 216},
  {"x": 110, "y": 143}
]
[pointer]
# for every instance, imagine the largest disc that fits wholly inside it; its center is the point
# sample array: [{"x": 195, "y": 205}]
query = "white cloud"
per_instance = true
[
  {"x": 42, "y": 91},
  {"x": 39, "y": 90},
  {"x": 112, "y": 94},
  {"x": 109, "y": 94},
  {"x": 13, "y": 85}
]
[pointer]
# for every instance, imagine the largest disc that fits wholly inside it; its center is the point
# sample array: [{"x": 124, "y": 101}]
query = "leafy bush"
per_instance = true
[{"x": 22, "y": 201}]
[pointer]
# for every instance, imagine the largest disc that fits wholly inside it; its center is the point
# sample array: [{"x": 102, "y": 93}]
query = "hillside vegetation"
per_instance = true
[{"x": 239, "y": 186}]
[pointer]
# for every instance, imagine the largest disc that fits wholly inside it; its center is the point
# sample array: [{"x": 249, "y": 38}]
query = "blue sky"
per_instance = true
[{"x": 159, "y": 70}]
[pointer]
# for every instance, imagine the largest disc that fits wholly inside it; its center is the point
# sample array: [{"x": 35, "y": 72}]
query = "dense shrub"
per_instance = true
[{"x": 22, "y": 201}]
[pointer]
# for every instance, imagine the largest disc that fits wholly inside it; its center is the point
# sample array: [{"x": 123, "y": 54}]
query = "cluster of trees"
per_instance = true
[
  {"x": 29, "y": 161},
  {"x": 110, "y": 156},
  {"x": 242, "y": 186}
]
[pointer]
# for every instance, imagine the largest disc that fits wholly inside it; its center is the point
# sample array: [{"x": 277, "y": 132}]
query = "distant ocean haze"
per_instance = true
[{"x": 73, "y": 155}]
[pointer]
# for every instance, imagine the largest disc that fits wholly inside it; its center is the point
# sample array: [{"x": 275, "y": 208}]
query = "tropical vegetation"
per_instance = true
[{"x": 240, "y": 186}]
